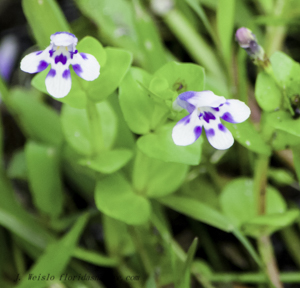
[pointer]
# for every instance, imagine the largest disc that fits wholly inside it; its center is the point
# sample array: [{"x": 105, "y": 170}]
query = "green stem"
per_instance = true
[
  {"x": 290, "y": 277},
  {"x": 19, "y": 260},
  {"x": 267, "y": 254},
  {"x": 264, "y": 242},
  {"x": 292, "y": 242},
  {"x": 97, "y": 143},
  {"x": 260, "y": 183},
  {"x": 139, "y": 245}
]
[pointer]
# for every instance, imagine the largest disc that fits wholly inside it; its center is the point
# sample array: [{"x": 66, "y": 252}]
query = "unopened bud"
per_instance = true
[{"x": 248, "y": 41}]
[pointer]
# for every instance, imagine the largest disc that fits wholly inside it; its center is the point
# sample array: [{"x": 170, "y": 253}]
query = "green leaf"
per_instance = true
[
  {"x": 117, "y": 239},
  {"x": 225, "y": 25},
  {"x": 44, "y": 178},
  {"x": 281, "y": 177},
  {"x": 267, "y": 93},
  {"x": 246, "y": 135},
  {"x": 154, "y": 55},
  {"x": 238, "y": 203},
  {"x": 287, "y": 73},
  {"x": 56, "y": 257},
  {"x": 115, "y": 197},
  {"x": 115, "y": 21},
  {"x": 268, "y": 224},
  {"x": 201, "y": 189},
  {"x": 151, "y": 283},
  {"x": 160, "y": 145},
  {"x": 198, "y": 211},
  {"x": 182, "y": 76},
  {"x": 296, "y": 160},
  {"x": 28, "y": 109},
  {"x": 196, "y": 6},
  {"x": 108, "y": 161},
  {"x": 185, "y": 277},
  {"x": 156, "y": 178},
  {"x": 94, "y": 257},
  {"x": 18, "y": 220},
  {"x": 282, "y": 140},
  {"x": 136, "y": 105},
  {"x": 117, "y": 64},
  {"x": 17, "y": 166},
  {"x": 283, "y": 121},
  {"x": 124, "y": 138},
  {"x": 76, "y": 128},
  {"x": 45, "y": 18}
]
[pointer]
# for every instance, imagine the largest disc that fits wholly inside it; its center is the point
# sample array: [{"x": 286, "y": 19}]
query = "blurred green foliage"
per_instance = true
[{"x": 106, "y": 159}]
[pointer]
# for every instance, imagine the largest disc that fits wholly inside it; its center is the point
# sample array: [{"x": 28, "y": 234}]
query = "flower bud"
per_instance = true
[{"x": 248, "y": 41}]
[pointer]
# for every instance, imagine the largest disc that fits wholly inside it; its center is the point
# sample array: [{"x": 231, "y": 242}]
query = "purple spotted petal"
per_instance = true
[
  {"x": 187, "y": 130},
  {"x": 234, "y": 111},
  {"x": 58, "y": 81},
  {"x": 218, "y": 135},
  {"x": 42, "y": 66},
  {"x": 36, "y": 61},
  {"x": 85, "y": 66}
]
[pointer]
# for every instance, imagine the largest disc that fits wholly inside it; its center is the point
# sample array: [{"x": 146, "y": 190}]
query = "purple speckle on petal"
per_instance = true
[
  {"x": 221, "y": 127},
  {"x": 61, "y": 58},
  {"x": 51, "y": 52},
  {"x": 42, "y": 66},
  {"x": 38, "y": 53},
  {"x": 197, "y": 131},
  {"x": 51, "y": 73},
  {"x": 66, "y": 74},
  {"x": 210, "y": 132},
  {"x": 83, "y": 55},
  {"x": 208, "y": 116},
  {"x": 72, "y": 53},
  {"x": 228, "y": 117},
  {"x": 216, "y": 109},
  {"x": 77, "y": 69},
  {"x": 185, "y": 120}
]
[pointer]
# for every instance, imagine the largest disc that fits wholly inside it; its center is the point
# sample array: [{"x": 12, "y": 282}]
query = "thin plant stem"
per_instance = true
[
  {"x": 139, "y": 245},
  {"x": 264, "y": 242},
  {"x": 252, "y": 278},
  {"x": 260, "y": 183},
  {"x": 95, "y": 127},
  {"x": 292, "y": 242}
]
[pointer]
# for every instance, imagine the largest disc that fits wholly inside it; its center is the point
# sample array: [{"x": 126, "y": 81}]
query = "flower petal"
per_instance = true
[
  {"x": 58, "y": 81},
  {"x": 187, "y": 130},
  {"x": 218, "y": 135},
  {"x": 86, "y": 66},
  {"x": 63, "y": 39},
  {"x": 234, "y": 111},
  {"x": 183, "y": 104},
  {"x": 36, "y": 61},
  {"x": 202, "y": 99}
]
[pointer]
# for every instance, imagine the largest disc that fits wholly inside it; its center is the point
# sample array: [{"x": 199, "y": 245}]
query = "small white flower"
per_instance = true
[
  {"x": 205, "y": 110},
  {"x": 60, "y": 54}
]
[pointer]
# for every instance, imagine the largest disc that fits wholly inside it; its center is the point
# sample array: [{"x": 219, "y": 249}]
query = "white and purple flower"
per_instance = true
[
  {"x": 205, "y": 110},
  {"x": 60, "y": 54}
]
